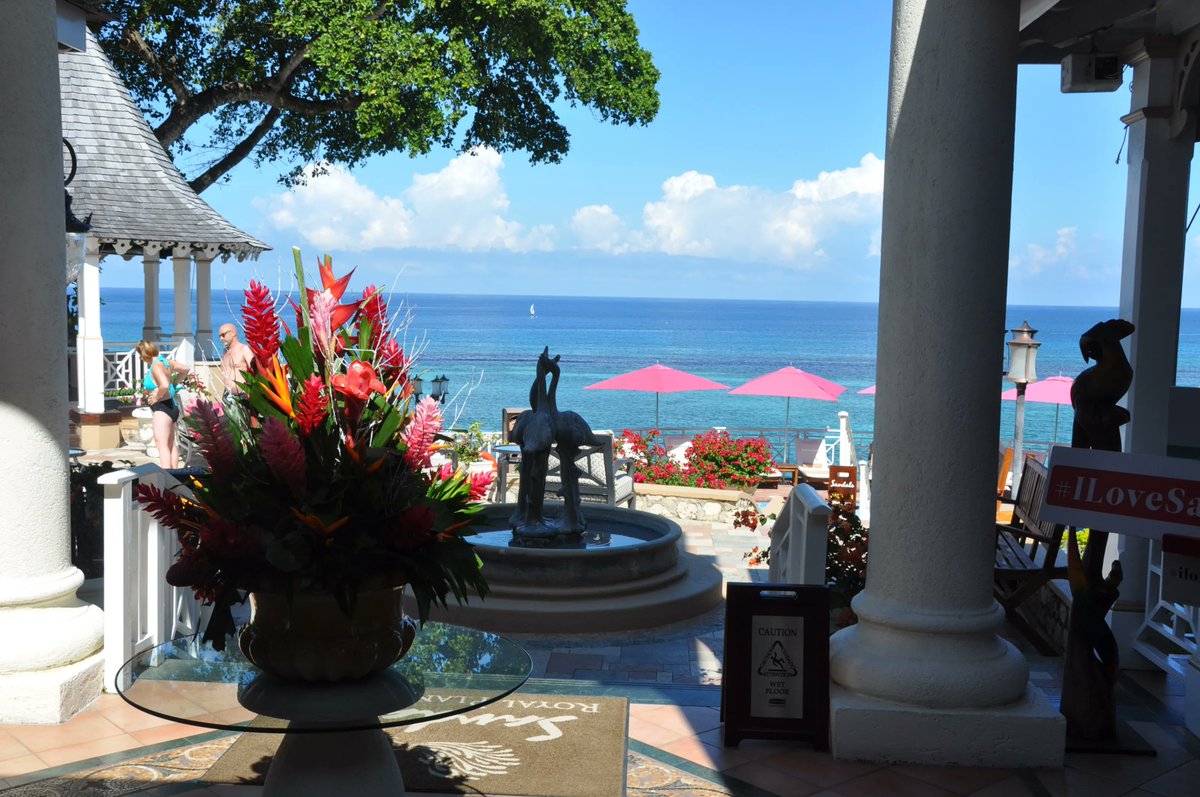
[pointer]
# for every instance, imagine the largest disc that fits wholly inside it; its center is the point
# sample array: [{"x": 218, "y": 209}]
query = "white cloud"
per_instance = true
[
  {"x": 598, "y": 227},
  {"x": 1037, "y": 257},
  {"x": 697, "y": 217},
  {"x": 463, "y": 206}
]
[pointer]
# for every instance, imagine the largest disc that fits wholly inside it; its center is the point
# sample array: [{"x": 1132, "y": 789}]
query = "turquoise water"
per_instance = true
[{"x": 488, "y": 346}]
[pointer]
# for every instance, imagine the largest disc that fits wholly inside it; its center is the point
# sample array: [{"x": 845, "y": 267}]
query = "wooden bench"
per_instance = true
[{"x": 1027, "y": 553}]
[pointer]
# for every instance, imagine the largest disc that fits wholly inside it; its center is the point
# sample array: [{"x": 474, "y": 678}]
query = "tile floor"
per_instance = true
[{"x": 672, "y": 677}]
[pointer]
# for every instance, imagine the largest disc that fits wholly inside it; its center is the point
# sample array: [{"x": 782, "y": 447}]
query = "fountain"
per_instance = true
[{"x": 555, "y": 567}]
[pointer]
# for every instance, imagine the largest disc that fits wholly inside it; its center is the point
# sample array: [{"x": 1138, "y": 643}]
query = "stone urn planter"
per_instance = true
[{"x": 145, "y": 430}]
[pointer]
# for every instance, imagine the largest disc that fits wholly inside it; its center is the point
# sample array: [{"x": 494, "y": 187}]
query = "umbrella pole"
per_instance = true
[
  {"x": 787, "y": 427},
  {"x": 656, "y": 424},
  {"x": 1057, "y": 407}
]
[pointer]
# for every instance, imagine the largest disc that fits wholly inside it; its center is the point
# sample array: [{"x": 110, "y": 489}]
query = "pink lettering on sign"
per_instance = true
[{"x": 1131, "y": 495}]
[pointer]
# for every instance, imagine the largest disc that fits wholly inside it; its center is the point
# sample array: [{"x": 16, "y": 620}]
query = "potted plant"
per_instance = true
[{"x": 320, "y": 492}]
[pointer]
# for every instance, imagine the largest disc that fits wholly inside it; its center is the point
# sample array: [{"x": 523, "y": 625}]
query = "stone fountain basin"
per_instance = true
[
  {"x": 619, "y": 546},
  {"x": 640, "y": 578}
]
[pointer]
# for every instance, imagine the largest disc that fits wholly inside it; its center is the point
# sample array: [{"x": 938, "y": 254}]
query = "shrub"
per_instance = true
[
  {"x": 87, "y": 516},
  {"x": 714, "y": 460}
]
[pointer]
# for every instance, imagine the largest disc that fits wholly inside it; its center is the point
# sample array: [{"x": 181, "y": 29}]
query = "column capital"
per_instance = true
[{"x": 1148, "y": 48}]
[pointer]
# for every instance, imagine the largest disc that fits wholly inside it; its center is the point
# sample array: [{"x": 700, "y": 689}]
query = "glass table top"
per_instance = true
[{"x": 449, "y": 670}]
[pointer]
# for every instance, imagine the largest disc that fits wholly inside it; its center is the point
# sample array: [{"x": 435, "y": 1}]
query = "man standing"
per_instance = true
[{"x": 234, "y": 361}]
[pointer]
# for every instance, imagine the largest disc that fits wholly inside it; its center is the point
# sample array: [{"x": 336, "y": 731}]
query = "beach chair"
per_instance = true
[{"x": 602, "y": 477}]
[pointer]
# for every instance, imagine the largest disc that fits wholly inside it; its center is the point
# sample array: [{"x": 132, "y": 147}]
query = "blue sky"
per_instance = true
[{"x": 760, "y": 178}]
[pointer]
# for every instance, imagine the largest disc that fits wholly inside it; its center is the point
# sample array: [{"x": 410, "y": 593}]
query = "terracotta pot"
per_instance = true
[{"x": 310, "y": 638}]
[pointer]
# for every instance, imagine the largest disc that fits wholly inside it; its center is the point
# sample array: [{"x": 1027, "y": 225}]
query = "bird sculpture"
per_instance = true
[
  {"x": 1091, "y": 659},
  {"x": 534, "y": 433},
  {"x": 571, "y": 433}
]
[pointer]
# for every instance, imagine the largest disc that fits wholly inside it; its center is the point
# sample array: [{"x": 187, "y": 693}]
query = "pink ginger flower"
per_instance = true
[
  {"x": 189, "y": 405},
  {"x": 320, "y": 314},
  {"x": 423, "y": 426},
  {"x": 284, "y": 455},
  {"x": 215, "y": 439}
]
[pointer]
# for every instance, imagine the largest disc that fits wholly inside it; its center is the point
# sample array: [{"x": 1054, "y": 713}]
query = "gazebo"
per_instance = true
[{"x": 138, "y": 205}]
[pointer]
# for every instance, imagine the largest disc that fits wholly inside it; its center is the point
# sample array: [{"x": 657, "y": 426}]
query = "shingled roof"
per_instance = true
[{"x": 138, "y": 200}]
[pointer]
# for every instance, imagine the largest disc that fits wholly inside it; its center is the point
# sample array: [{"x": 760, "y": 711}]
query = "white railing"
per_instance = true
[
  {"x": 140, "y": 609},
  {"x": 124, "y": 368},
  {"x": 1167, "y": 636},
  {"x": 799, "y": 538}
]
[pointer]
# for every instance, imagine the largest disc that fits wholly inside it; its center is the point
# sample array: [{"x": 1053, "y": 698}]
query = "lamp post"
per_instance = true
[
  {"x": 438, "y": 388},
  {"x": 1022, "y": 356}
]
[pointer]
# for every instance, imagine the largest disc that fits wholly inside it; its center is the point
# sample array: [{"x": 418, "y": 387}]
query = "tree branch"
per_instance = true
[
  {"x": 237, "y": 154},
  {"x": 133, "y": 41}
]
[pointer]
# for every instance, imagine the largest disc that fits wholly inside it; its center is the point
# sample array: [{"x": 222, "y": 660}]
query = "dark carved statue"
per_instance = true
[
  {"x": 1090, "y": 666},
  {"x": 537, "y": 429}
]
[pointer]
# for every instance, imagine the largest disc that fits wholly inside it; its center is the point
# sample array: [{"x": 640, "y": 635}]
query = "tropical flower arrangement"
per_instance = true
[
  {"x": 321, "y": 481},
  {"x": 714, "y": 460}
]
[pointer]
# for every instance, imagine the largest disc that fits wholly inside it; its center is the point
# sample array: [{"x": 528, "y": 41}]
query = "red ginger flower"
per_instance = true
[
  {"x": 419, "y": 435},
  {"x": 224, "y": 538},
  {"x": 166, "y": 507},
  {"x": 312, "y": 406},
  {"x": 216, "y": 443},
  {"x": 414, "y": 528},
  {"x": 284, "y": 455},
  {"x": 359, "y": 381},
  {"x": 481, "y": 481},
  {"x": 261, "y": 322},
  {"x": 373, "y": 311}
]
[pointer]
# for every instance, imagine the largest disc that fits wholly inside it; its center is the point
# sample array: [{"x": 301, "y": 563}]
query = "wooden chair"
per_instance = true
[{"x": 1027, "y": 552}]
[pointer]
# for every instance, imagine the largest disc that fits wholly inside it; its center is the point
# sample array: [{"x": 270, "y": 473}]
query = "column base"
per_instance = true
[
  {"x": 50, "y": 696},
  {"x": 1028, "y": 733},
  {"x": 1125, "y": 624},
  {"x": 1191, "y": 692},
  {"x": 98, "y": 430}
]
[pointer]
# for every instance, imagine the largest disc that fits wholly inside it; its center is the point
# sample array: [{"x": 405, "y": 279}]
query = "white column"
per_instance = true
[
  {"x": 181, "y": 265},
  {"x": 151, "y": 322},
  {"x": 923, "y": 677},
  {"x": 1156, "y": 214},
  {"x": 204, "y": 330},
  {"x": 49, "y": 642},
  {"x": 89, "y": 345}
]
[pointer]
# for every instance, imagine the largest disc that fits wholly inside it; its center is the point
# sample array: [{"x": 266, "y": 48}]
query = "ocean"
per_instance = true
[{"x": 487, "y": 346}]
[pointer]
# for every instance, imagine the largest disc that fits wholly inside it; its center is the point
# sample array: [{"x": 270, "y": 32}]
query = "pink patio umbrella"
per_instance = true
[
  {"x": 1054, "y": 390},
  {"x": 790, "y": 382},
  {"x": 657, "y": 379},
  {"x": 867, "y": 391}
]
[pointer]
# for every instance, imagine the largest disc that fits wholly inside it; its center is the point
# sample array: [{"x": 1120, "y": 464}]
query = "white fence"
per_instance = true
[
  {"x": 799, "y": 539},
  {"x": 140, "y": 609}
]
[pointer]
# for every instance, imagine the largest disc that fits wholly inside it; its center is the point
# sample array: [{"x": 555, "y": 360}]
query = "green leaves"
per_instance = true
[{"x": 356, "y": 78}]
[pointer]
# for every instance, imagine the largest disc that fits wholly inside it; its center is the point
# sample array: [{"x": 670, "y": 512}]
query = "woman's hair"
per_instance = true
[{"x": 146, "y": 350}]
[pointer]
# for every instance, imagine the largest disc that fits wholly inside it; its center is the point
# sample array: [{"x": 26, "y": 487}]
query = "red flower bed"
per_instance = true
[{"x": 714, "y": 460}]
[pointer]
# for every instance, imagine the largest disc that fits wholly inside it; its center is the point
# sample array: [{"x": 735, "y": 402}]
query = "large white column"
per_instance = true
[
  {"x": 1156, "y": 211},
  {"x": 923, "y": 677},
  {"x": 181, "y": 265},
  {"x": 89, "y": 345},
  {"x": 50, "y": 664},
  {"x": 151, "y": 323},
  {"x": 204, "y": 330}
]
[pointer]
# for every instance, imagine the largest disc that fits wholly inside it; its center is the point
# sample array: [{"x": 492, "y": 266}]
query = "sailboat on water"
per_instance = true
[{"x": 532, "y": 311}]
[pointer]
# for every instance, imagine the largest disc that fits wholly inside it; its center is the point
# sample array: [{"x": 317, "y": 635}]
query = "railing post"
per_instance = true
[{"x": 799, "y": 538}]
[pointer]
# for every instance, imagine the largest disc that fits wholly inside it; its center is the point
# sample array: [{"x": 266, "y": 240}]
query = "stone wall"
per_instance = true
[{"x": 693, "y": 503}]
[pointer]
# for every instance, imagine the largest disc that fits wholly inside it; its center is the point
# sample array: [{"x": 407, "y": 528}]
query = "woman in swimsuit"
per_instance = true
[{"x": 162, "y": 400}]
